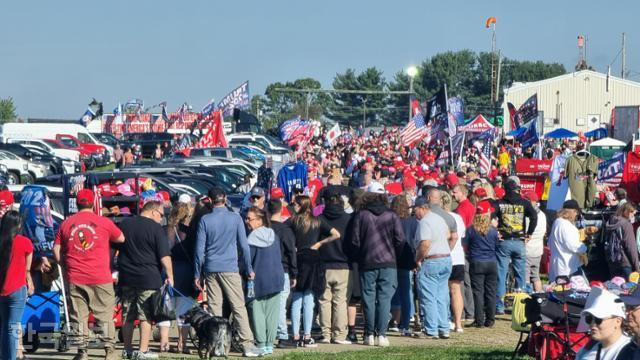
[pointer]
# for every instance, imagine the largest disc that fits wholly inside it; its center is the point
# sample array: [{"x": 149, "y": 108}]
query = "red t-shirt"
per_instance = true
[
  {"x": 314, "y": 187},
  {"x": 84, "y": 239},
  {"x": 467, "y": 211},
  {"x": 17, "y": 271}
]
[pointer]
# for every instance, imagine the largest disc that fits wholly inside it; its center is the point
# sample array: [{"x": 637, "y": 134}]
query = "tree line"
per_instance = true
[{"x": 466, "y": 73}]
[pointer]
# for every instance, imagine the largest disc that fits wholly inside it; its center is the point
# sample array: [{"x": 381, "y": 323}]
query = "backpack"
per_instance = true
[{"x": 613, "y": 246}]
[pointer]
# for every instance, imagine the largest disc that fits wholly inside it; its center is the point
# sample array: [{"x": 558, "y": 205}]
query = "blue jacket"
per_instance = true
[
  {"x": 220, "y": 234},
  {"x": 482, "y": 247},
  {"x": 266, "y": 259}
]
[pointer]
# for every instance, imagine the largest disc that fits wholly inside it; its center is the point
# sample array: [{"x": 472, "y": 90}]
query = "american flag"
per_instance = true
[
  {"x": 414, "y": 131},
  {"x": 484, "y": 151}
]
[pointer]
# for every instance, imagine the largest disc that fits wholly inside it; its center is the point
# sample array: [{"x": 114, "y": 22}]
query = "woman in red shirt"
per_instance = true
[{"x": 15, "y": 262}]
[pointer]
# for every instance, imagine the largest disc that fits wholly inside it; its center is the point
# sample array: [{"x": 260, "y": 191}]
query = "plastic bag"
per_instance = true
[{"x": 162, "y": 305}]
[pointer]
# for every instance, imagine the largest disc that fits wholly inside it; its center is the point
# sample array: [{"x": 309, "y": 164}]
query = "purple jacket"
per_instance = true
[{"x": 377, "y": 238}]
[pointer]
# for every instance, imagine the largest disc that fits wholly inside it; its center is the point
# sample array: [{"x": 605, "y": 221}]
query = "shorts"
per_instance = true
[
  {"x": 532, "y": 271},
  {"x": 457, "y": 273},
  {"x": 136, "y": 304}
]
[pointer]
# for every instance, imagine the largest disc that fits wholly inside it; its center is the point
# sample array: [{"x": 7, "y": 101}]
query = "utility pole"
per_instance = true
[
  {"x": 624, "y": 56},
  {"x": 364, "y": 113},
  {"x": 306, "y": 106}
]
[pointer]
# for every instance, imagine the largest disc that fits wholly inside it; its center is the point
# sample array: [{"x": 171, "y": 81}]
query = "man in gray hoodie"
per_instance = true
[{"x": 219, "y": 236}]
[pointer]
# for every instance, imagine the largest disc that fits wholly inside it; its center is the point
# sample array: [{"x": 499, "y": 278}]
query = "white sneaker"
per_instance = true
[
  {"x": 459, "y": 330},
  {"x": 452, "y": 326},
  {"x": 342, "y": 342},
  {"x": 383, "y": 341},
  {"x": 369, "y": 340}
]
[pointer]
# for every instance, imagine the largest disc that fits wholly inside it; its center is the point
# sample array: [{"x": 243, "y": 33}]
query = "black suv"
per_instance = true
[{"x": 147, "y": 141}]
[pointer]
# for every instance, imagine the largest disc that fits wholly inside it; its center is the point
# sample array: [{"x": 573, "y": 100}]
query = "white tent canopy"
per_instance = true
[{"x": 608, "y": 142}]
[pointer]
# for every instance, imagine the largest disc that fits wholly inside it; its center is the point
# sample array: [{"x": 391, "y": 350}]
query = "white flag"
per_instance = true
[{"x": 333, "y": 133}]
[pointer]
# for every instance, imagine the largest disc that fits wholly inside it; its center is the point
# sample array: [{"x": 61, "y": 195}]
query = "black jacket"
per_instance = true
[
  {"x": 333, "y": 254},
  {"x": 511, "y": 213},
  {"x": 288, "y": 248}
]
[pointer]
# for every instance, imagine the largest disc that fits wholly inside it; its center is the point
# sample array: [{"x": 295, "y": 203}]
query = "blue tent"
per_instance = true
[
  {"x": 560, "y": 133},
  {"x": 598, "y": 133}
]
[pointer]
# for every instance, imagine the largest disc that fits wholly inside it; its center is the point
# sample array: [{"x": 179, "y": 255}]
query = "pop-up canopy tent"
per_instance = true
[
  {"x": 560, "y": 133},
  {"x": 477, "y": 125},
  {"x": 598, "y": 133},
  {"x": 605, "y": 148}
]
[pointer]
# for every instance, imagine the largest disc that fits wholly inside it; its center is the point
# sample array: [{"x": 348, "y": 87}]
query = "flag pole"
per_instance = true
[
  {"x": 464, "y": 138},
  {"x": 446, "y": 99}
]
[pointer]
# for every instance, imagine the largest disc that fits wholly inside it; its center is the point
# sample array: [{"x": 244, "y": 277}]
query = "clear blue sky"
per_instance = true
[{"x": 56, "y": 55}]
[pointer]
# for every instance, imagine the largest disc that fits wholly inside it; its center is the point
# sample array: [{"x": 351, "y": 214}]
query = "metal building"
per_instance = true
[{"x": 578, "y": 101}]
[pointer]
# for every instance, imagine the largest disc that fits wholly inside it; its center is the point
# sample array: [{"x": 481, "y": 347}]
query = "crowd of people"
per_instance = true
[{"x": 419, "y": 247}]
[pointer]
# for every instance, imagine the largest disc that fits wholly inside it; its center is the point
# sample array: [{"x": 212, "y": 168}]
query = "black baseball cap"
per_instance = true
[{"x": 420, "y": 202}]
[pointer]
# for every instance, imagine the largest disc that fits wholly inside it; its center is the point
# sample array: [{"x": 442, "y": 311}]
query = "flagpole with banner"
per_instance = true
[{"x": 446, "y": 96}]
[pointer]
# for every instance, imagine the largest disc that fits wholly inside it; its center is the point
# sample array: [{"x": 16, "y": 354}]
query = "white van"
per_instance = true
[{"x": 49, "y": 131}]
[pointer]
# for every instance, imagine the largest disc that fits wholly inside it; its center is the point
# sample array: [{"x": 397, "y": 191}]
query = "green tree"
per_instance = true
[
  {"x": 7, "y": 110},
  {"x": 354, "y": 108},
  {"x": 283, "y": 105}
]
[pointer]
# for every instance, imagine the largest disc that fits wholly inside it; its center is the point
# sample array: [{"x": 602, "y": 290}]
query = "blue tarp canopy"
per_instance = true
[
  {"x": 560, "y": 133},
  {"x": 597, "y": 133},
  {"x": 517, "y": 132}
]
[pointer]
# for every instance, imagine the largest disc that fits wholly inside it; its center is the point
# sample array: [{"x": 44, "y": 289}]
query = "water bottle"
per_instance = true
[{"x": 250, "y": 292}]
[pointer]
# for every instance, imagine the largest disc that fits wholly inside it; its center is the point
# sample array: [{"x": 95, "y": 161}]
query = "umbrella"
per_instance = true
[{"x": 560, "y": 133}]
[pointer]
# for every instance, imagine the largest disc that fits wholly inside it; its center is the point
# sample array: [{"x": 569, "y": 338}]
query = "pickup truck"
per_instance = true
[{"x": 98, "y": 152}]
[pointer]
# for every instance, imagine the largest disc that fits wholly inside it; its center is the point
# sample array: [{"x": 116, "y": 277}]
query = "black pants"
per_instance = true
[{"x": 484, "y": 280}]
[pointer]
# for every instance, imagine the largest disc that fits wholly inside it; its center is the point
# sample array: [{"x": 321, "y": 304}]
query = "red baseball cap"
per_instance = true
[
  {"x": 6, "y": 198},
  {"x": 451, "y": 180},
  {"x": 480, "y": 192},
  {"x": 165, "y": 195},
  {"x": 484, "y": 207},
  {"x": 499, "y": 192},
  {"x": 277, "y": 193},
  {"x": 408, "y": 182},
  {"x": 107, "y": 190},
  {"x": 85, "y": 197}
]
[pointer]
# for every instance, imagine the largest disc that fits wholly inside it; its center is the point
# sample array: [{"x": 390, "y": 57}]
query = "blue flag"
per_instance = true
[
  {"x": 529, "y": 136},
  {"x": 87, "y": 117}
]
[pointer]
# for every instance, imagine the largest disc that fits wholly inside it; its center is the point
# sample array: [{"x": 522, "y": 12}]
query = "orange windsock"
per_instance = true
[{"x": 491, "y": 21}]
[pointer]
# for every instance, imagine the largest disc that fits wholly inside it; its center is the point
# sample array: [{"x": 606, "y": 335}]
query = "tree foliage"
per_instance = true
[
  {"x": 7, "y": 110},
  {"x": 467, "y": 74}
]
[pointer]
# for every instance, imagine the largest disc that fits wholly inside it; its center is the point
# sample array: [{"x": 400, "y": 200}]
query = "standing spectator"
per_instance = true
[
  {"x": 82, "y": 247},
  {"x": 483, "y": 242},
  {"x": 627, "y": 249},
  {"x": 333, "y": 300},
  {"x": 15, "y": 262},
  {"x": 267, "y": 263},
  {"x": 182, "y": 247},
  {"x": 140, "y": 262},
  {"x": 433, "y": 255},
  {"x": 564, "y": 245},
  {"x": 311, "y": 234},
  {"x": 128, "y": 158},
  {"x": 402, "y": 304},
  {"x": 157, "y": 153},
  {"x": 535, "y": 246},
  {"x": 466, "y": 210},
  {"x": 220, "y": 235},
  {"x": 289, "y": 266},
  {"x": 511, "y": 219},
  {"x": 376, "y": 240},
  {"x": 458, "y": 265},
  {"x": 118, "y": 155}
]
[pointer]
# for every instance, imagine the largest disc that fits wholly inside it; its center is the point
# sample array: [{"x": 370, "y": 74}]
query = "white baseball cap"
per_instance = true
[
  {"x": 184, "y": 198},
  {"x": 376, "y": 187},
  {"x": 602, "y": 304}
]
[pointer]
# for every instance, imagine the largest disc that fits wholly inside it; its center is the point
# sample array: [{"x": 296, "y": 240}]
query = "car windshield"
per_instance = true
[
  {"x": 69, "y": 142},
  {"x": 274, "y": 140},
  {"x": 85, "y": 138},
  {"x": 53, "y": 144},
  {"x": 240, "y": 155}
]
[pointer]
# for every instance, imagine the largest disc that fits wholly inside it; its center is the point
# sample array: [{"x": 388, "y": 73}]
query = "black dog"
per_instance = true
[{"x": 214, "y": 332}]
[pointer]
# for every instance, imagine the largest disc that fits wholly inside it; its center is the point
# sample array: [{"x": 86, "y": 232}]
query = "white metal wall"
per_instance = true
[{"x": 575, "y": 99}]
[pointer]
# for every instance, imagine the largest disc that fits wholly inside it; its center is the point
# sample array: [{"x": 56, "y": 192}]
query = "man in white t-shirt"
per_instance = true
[{"x": 433, "y": 255}]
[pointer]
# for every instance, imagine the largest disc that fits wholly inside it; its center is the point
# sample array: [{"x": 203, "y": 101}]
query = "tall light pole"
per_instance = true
[{"x": 412, "y": 71}]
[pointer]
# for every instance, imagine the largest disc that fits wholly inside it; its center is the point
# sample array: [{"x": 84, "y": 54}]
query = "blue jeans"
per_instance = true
[
  {"x": 378, "y": 287},
  {"x": 510, "y": 250},
  {"x": 302, "y": 301},
  {"x": 283, "y": 333},
  {"x": 11, "y": 309},
  {"x": 433, "y": 287},
  {"x": 403, "y": 298}
]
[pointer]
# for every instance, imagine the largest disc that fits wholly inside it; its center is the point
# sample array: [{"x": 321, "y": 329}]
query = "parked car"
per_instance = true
[
  {"x": 147, "y": 141},
  {"x": 64, "y": 153},
  {"x": 98, "y": 151},
  {"x": 107, "y": 138},
  {"x": 20, "y": 171},
  {"x": 226, "y": 153},
  {"x": 68, "y": 166},
  {"x": 55, "y": 164}
]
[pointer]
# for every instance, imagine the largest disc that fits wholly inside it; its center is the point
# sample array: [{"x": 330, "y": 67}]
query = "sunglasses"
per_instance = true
[{"x": 590, "y": 319}]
